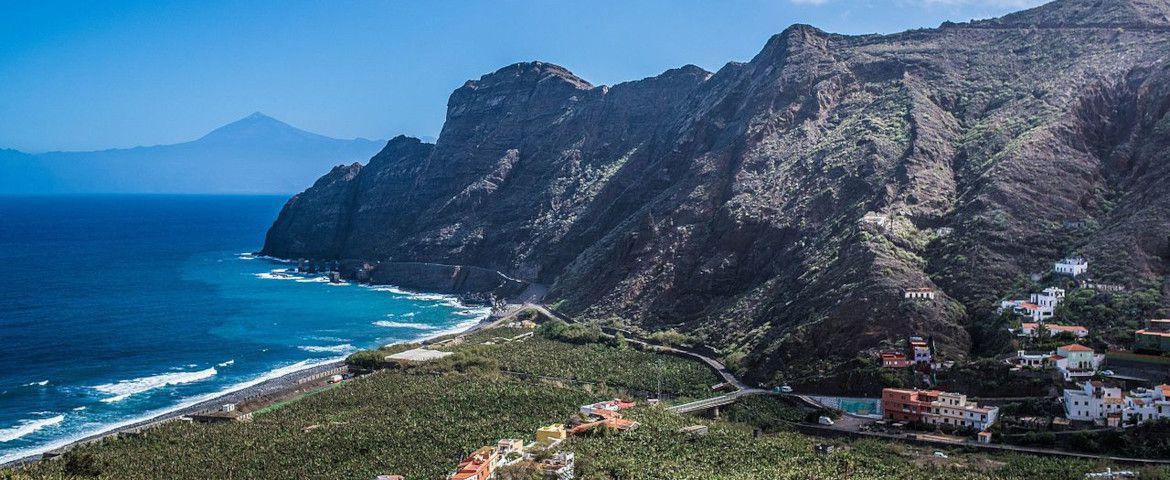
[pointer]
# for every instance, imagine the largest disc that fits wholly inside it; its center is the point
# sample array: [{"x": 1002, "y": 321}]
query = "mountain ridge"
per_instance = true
[{"x": 733, "y": 205}]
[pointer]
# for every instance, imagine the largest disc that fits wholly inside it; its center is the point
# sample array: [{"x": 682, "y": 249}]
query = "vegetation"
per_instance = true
[
  {"x": 731, "y": 451},
  {"x": 595, "y": 358},
  {"x": 409, "y": 423},
  {"x": 419, "y": 420}
]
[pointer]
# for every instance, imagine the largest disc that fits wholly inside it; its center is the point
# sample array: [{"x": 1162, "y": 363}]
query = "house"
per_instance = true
[
  {"x": 921, "y": 351},
  {"x": 1093, "y": 402},
  {"x": 918, "y": 294},
  {"x": 1153, "y": 339},
  {"x": 877, "y": 219},
  {"x": 894, "y": 360},
  {"x": 984, "y": 437},
  {"x": 1146, "y": 404},
  {"x": 559, "y": 466},
  {"x": 551, "y": 435},
  {"x": 1030, "y": 329},
  {"x": 389, "y": 477},
  {"x": 480, "y": 465},
  {"x": 606, "y": 408},
  {"x": 935, "y": 407},
  {"x": 1048, "y": 299},
  {"x": 1072, "y": 266},
  {"x": 1031, "y": 359},
  {"x": 1076, "y": 361}
]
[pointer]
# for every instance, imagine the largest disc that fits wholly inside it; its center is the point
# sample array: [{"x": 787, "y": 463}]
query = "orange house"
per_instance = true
[
  {"x": 907, "y": 405},
  {"x": 480, "y": 465}
]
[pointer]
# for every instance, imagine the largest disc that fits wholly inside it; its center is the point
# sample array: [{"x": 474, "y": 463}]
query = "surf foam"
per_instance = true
[
  {"x": 26, "y": 427},
  {"x": 126, "y": 388},
  {"x": 343, "y": 348}
]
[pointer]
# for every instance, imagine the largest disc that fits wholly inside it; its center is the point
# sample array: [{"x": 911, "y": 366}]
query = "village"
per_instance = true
[{"x": 1088, "y": 390}]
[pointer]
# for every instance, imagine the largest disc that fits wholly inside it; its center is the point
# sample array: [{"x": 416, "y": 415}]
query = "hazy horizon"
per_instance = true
[{"x": 87, "y": 77}]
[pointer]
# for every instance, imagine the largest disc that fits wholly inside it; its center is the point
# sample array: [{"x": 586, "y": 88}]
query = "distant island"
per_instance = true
[{"x": 256, "y": 154}]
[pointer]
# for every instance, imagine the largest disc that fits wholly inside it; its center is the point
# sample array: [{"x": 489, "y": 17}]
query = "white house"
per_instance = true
[
  {"x": 1146, "y": 404},
  {"x": 1030, "y": 329},
  {"x": 1049, "y": 299},
  {"x": 918, "y": 294},
  {"x": 1072, "y": 266},
  {"x": 1031, "y": 359},
  {"x": 954, "y": 409},
  {"x": 1077, "y": 362},
  {"x": 1093, "y": 402}
]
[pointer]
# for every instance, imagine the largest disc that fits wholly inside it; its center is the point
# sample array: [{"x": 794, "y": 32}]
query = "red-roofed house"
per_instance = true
[
  {"x": 1077, "y": 361},
  {"x": 894, "y": 360},
  {"x": 480, "y": 465}
]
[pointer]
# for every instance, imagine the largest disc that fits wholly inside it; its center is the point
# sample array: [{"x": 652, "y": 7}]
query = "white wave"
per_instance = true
[
  {"x": 78, "y": 409},
  {"x": 313, "y": 280},
  {"x": 26, "y": 427},
  {"x": 475, "y": 312},
  {"x": 275, "y": 276},
  {"x": 343, "y": 348},
  {"x": 458, "y": 328},
  {"x": 36, "y": 384},
  {"x": 270, "y": 375},
  {"x": 246, "y": 256},
  {"x": 125, "y": 388},
  {"x": 339, "y": 284},
  {"x": 408, "y": 314},
  {"x": 389, "y": 324},
  {"x": 226, "y": 364}
]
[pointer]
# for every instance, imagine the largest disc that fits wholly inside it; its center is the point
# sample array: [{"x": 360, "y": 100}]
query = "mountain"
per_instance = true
[
  {"x": 778, "y": 208},
  {"x": 257, "y": 154}
]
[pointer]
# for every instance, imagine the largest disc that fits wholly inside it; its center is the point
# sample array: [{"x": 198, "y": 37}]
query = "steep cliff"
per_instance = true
[{"x": 733, "y": 204}]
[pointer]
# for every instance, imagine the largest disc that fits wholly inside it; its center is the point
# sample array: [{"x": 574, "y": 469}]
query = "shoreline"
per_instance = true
[{"x": 286, "y": 382}]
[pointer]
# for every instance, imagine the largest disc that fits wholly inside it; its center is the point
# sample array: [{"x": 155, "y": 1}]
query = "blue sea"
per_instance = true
[{"x": 116, "y": 308}]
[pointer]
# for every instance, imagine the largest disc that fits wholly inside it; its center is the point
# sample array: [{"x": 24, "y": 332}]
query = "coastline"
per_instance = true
[{"x": 282, "y": 383}]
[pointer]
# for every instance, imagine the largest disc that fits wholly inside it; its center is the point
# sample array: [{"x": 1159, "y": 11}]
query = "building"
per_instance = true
[
  {"x": 1093, "y": 402},
  {"x": 1076, "y": 362},
  {"x": 1048, "y": 299},
  {"x": 1072, "y": 266},
  {"x": 919, "y": 294},
  {"x": 894, "y": 360},
  {"x": 551, "y": 435},
  {"x": 1030, "y": 329},
  {"x": 605, "y": 409},
  {"x": 559, "y": 466},
  {"x": 935, "y": 407},
  {"x": 1146, "y": 404},
  {"x": 480, "y": 465},
  {"x": 1153, "y": 339},
  {"x": 920, "y": 350},
  {"x": 877, "y": 219},
  {"x": 1031, "y": 359}
]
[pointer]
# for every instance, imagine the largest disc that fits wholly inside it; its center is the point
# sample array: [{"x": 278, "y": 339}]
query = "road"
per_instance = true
[{"x": 846, "y": 423}]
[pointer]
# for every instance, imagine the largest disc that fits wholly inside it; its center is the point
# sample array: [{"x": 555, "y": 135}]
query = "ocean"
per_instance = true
[{"x": 117, "y": 308}]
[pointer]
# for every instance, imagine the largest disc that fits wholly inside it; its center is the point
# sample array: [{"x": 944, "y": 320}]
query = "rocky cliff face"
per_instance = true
[{"x": 734, "y": 204}]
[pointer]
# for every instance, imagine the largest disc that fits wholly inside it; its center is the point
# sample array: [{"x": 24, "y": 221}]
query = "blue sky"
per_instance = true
[{"x": 92, "y": 75}]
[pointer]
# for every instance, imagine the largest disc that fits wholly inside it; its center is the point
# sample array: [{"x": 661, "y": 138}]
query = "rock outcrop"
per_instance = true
[{"x": 779, "y": 207}]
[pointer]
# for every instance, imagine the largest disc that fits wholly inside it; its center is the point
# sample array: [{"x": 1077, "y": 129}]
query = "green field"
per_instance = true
[{"x": 420, "y": 421}]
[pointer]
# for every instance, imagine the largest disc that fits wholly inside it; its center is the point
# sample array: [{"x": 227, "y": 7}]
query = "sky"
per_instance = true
[{"x": 113, "y": 74}]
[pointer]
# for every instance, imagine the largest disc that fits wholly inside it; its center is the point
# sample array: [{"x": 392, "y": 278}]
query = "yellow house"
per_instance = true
[{"x": 551, "y": 434}]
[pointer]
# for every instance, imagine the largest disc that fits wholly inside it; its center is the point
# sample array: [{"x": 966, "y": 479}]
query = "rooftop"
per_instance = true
[{"x": 1076, "y": 347}]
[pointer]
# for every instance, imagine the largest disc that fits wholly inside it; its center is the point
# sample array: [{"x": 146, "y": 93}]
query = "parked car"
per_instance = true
[
  {"x": 826, "y": 421},
  {"x": 785, "y": 389}
]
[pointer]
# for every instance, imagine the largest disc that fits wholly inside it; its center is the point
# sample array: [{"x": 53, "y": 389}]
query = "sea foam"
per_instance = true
[
  {"x": 389, "y": 324},
  {"x": 26, "y": 427},
  {"x": 125, "y": 388},
  {"x": 343, "y": 348}
]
